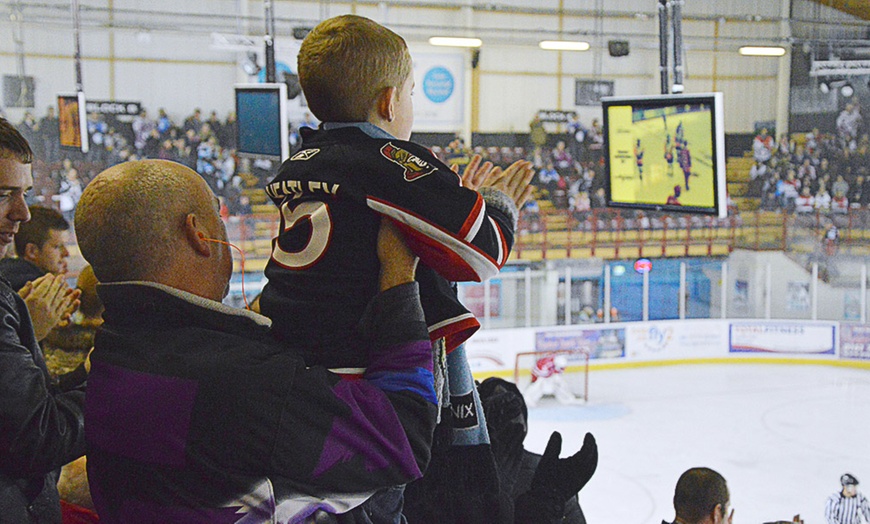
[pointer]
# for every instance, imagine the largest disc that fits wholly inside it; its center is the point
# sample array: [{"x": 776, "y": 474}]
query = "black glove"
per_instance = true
[{"x": 556, "y": 480}]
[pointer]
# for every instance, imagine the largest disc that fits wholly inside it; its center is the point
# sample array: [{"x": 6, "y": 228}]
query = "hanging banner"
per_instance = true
[
  {"x": 73, "y": 121},
  {"x": 439, "y": 93}
]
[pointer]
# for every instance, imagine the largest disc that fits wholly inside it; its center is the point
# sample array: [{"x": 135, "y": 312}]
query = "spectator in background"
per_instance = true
[
  {"x": 595, "y": 142},
  {"x": 790, "y": 190},
  {"x": 191, "y": 147},
  {"x": 785, "y": 147},
  {"x": 215, "y": 124},
  {"x": 167, "y": 151},
  {"x": 537, "y": 133},
  {"x": 840, "y": 186},
  {"x": 229, "y": 136},
  {"x": 531, "y": 213},
  {"x": 207, "y": 155},
  {"x": 68, "y": 194},
  {"x": 840, "y": 204},
  {"x": 757, "y": 175},
  {"x": 49, "y": 129},
  {"x": 807, "y": 169},
  {"x": 97, "y": 129},
  {"x": 164, "y": 124},
  {"x": 142, "y": 127},
  {"x": 27, "y": 127},
  {"x": 848, "y": 123},
  {"x": 820, "y": 182},
  {"x": 805, "y": 203},
  {"x": 581, "y": 203},
  {"x": 701, "y": 497},
  {"x": 577, "y": 132},
  {"x": 548, "y": 178},
  {"x": 823, "y": 199},
  {"x": 762, "y": 146},
  {"x": 812, "y": 141},
  {"x": 860, "y": 194},
  {"x": 846, "y": 506},
  {"x": 456, "y": 154},
  {"x": 599, "y": 199},
  {"x": 152, "y": 144},
  {"x": 770, "y": 193},
  {"x": 41, "y": 247},
  {"x": 562, "y": 159},
  {"x": 193, "y": 122},
  {"x": 205, "y": 131}
]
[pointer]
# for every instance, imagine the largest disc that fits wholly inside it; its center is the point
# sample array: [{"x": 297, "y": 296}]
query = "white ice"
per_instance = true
[{"x": 780, "y": 434}]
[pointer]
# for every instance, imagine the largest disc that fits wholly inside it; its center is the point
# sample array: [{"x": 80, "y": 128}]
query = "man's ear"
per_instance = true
[
  {"x": 384, "y": 105},
  {"x": 31, "y": 251},
  {"x": 717, "y": 516},
  {"x": 195, "y": 237}
]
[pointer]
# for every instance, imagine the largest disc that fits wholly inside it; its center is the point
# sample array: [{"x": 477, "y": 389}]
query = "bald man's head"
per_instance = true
[{"x": 130, "y": 220}]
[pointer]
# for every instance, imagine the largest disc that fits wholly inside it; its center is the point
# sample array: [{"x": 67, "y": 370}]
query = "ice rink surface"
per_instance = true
[{"x": 780, "y": 434}]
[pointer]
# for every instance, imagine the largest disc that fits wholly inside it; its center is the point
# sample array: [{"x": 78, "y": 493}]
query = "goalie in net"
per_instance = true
[{"x": 559, "y": 374}]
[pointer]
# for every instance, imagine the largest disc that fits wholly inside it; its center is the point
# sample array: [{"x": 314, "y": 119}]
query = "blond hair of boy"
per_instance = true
[{"x": 347, "y": 63}]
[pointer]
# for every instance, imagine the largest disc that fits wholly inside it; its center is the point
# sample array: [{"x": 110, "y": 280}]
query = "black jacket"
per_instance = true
[
  {"x": 324, "y": 266},
  {"x": 195, "y": 414},
  {"x": 41, "y": 427},
  {"x": 19, "y": 272}
]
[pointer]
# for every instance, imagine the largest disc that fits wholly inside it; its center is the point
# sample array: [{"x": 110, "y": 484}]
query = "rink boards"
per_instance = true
[{"x": 637, "y": 344}]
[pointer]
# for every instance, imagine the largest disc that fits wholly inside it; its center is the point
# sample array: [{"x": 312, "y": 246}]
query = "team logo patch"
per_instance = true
[
  {"x": 305, "y": 154},
  {"x": 415, "y": 167}
]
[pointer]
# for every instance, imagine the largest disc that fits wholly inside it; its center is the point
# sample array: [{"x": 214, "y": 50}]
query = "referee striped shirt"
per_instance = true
[{"x": 847, "y": 510}]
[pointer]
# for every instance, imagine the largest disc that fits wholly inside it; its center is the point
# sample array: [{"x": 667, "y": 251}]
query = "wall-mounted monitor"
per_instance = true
[
  {"x": 261, "y": 114},
  {"x": 666, "y": 153},
  {"x": 73, "y": 122}
]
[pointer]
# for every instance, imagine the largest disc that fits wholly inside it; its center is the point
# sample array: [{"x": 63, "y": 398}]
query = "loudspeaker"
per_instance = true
[
  {"x": 618, "y": 47},
  {"x": 475, "y": 58}
]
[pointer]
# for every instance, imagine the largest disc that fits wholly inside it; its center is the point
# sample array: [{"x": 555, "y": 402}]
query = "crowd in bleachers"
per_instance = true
[
  {"x": 206, "y": 145},
  {"x": 814, "y": 172},
  {"x": 570, "y": 170}
]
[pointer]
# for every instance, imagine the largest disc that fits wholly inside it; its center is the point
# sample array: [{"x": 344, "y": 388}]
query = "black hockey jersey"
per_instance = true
[{"x": 324, "y": 266}]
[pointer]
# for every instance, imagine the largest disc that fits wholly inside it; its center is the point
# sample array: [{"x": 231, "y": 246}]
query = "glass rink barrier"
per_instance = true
[{"x": 608, "y": 268}]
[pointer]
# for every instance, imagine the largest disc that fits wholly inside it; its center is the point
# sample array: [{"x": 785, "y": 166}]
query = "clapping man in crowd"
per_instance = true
[{"x": 41, "y": 426}]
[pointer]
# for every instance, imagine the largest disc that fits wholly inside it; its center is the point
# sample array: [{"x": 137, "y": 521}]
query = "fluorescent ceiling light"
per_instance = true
[
  {"x": 451, "y": 41},
  {"x": 762, "y": 51},
  {"x": 564, "y": 45}
]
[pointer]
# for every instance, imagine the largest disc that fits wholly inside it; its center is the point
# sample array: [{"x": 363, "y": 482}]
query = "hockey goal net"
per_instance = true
[{"x": 563, "y": 374}]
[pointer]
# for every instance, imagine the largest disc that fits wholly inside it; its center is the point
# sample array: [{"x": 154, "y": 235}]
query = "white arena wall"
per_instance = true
[{"x": 167, "y": 59}]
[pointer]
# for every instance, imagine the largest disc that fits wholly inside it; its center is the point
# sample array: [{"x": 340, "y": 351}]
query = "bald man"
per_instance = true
[{"x": 194, "y": 413}]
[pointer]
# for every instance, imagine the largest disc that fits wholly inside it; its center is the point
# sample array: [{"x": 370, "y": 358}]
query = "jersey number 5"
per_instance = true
[{"x": 317, "y": 213}]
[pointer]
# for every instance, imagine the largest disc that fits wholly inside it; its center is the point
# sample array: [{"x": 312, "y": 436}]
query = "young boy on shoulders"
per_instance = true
[{"x": 358, "y": 167}]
